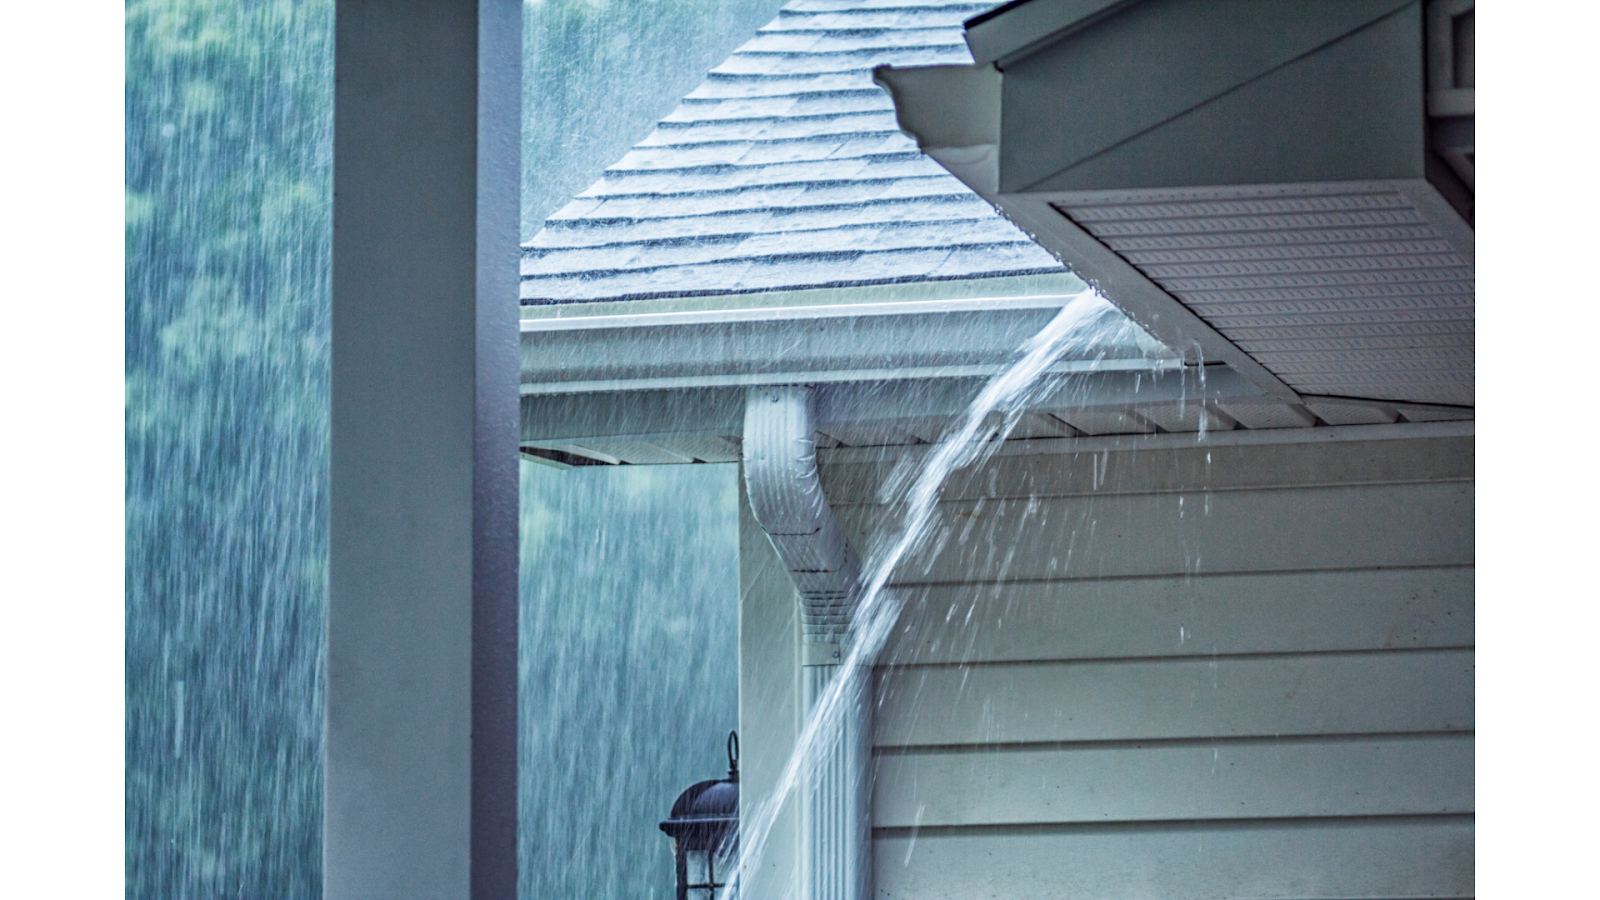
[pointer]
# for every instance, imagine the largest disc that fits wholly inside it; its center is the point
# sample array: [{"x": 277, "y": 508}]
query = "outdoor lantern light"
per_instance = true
[{"x": 704, "y": 827}]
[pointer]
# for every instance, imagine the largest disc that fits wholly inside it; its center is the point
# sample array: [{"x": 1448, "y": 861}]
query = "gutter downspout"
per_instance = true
[{"x": 785, "y": 490}]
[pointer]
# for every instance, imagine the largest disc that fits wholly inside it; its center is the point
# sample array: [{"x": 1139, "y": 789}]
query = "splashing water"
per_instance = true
[{"x": 1085, "y": 322}]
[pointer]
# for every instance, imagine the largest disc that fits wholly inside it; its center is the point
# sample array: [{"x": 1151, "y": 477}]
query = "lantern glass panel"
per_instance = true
[{"x": 700, "y": 871}]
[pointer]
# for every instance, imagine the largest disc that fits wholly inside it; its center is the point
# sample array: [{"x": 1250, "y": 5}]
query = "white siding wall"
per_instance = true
[{"x": 1111, "y": 682}]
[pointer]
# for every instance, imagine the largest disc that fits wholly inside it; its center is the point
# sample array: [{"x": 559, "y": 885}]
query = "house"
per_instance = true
[{"x": 1203, "y": 625}]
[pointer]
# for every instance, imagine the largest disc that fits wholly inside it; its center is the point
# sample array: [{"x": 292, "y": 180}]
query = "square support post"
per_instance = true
[{"x": 421, "y": 765}]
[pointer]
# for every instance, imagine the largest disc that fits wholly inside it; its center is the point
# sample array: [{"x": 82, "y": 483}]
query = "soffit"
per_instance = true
[{"x": 1230, "y": 216}]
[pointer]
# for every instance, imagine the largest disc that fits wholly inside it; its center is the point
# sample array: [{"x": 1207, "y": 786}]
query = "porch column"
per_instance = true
[{"x": 421, "y": 768}]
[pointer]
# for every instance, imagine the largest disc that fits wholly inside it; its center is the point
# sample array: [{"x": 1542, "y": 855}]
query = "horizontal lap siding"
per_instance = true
[
  {"x": 1345, "y": 693},
  {"x": 1275, "y": 612},
  {"x": 1369, "y": 526},
  {"x": 1264, "y": 692},
  {"x": 1256, "y": 778},
  {"x": 1295, "y": 860},
  {"x": 1192, "y": 469}
]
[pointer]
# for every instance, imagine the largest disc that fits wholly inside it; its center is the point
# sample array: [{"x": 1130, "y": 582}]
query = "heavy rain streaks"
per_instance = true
[{"x": 228, "y": 155}]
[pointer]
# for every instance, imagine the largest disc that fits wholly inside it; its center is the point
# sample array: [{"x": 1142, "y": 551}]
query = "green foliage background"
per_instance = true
[
  {"x": 228, "y": 138},
  {"x": 228, "y": 127}
]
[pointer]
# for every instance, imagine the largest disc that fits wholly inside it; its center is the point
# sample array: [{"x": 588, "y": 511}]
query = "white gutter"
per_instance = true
[
  {"x": 793, "y": 313},
  {"x": 822, "y": 343}
]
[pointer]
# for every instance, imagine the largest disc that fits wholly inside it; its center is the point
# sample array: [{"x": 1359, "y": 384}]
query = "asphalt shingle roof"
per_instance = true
[{"x": 785, "y": 170}]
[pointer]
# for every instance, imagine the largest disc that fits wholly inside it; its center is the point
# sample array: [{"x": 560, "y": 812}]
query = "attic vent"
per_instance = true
[{"x": 1336, "y": 289}]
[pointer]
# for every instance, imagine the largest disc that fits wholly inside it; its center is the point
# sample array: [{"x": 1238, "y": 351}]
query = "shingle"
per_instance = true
[
  {"x": 895, "y": 265},
  {"x": 771, "y": 128},
  {"x": 563, "y": 261},
  {"x": 577, "y": 209},
  {"x": 655, "y": 206},
  {"x": 782, "y": 273},
  {"x": 782, "y": 106},
  {"x": 577, "y": 261},
  {"x": 749, "y": 189},
  {"x": 1023, "y": 257},
  {"x": 717, "y": 86},
  {"x": 790, "y": 196},
  {"x": 734, "y": 177},
  {"x": 945, "y": 232},
  {"x": 841, "y": 5},
  {"x": 856, "y": 39},
  {"x": 861, "y": 61},
  {"x": 875, "y": 145},
  {"x": 593, "y": 234},
  {"x": 766, "y": 152},
  {"x": 736, "y": 108},
  {"x": 683, "y": 157},
  {"x": 830, "y": 240},
  {"x": 785, "y": 169},
  {"x": 851, "y": 20}
]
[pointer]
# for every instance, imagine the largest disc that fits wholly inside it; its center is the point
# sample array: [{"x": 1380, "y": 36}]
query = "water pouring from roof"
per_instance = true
[{"x": 1087, "y": 320}]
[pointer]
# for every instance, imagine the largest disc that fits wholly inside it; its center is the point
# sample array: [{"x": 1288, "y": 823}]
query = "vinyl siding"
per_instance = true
[{"x": 1111, "y": 683}]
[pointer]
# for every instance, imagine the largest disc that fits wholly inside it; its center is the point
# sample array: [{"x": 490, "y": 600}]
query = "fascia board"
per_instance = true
[
  {"x": 1021, "y": 27},
  {"x": 1001, "y": 288},
  {"x": 869, "y": 342},
  {"x": 626, "y": 321},
  {"x": 657, "y": 414},
  {"x": 829, "y": 376},
  {"x": 867, "y": 402},
  {"x": 1179, "y": 61}
]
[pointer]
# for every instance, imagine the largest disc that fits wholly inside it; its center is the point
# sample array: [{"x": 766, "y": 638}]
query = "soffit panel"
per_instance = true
[{"x": 1306, "y": 283}]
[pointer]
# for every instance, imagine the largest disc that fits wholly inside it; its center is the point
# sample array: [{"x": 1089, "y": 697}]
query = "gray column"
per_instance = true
[{"x": 420, "y": 786}]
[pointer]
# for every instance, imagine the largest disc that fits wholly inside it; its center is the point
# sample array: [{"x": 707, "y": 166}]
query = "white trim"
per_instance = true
[
  {"x": 827, "y": 376},
  {"x": 793, "y": 313}
]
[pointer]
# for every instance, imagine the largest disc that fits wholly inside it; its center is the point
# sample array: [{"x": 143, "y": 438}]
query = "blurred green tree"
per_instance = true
[
  {"x": 228, "y": 136},
  {"x": 228, "y": 159}
]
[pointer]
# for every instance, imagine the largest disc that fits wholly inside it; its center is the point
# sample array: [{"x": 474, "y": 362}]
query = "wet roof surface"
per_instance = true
[{"x": 785, "y": 169}]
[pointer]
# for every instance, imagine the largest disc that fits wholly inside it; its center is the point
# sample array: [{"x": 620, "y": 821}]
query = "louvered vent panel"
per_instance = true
[{"x": 1347, "y": 292}]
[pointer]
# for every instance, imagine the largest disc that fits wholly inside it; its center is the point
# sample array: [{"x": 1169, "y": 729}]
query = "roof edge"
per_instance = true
[
  {"x": 1024, "y": 24},
  {"x": 1005, "y": 286}
]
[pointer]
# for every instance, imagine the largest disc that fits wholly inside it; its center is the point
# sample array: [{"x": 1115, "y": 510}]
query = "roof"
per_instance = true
[
  {"x": 872, "y": 273},
  {"x": 785, "y": 170}
]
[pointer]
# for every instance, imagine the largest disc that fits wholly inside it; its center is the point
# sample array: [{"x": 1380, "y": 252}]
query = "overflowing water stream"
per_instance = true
[{"x": 1085, "y": 322}]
